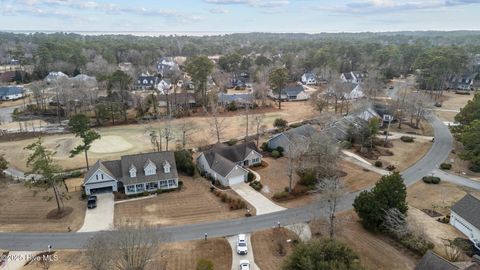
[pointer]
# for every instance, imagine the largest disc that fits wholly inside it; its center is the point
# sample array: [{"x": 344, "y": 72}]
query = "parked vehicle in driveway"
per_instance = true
[
  {"x": 92, "y": 203},
  {"x": 244, "y": 265},
  {"x": 242, "y": 244},
  {"x": 92, "y": 197}
]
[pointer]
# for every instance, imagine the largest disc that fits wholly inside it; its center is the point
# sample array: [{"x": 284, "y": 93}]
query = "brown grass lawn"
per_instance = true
[
  {"x": 10, "y": 103},
  {"x": 357, "y": 178},
  {"x": 74, "y": 184},
  {"x": 25, "y": 211},
  {"x": 439, "y": 197},
  {"x": 193, "y": 204},
  {"x": 174, "y": 256},
  {"x": 275, "y": 179},
  {"x": 452, "y": 101},
  {"x": 266, "y": 247},
  {"x": 434, "y": 230},
  {"x": 405, "y": 154},
  {"x": 425, "y": 128},
  {"x": 130, "y": 139},
  {"x": 375, "y": 251}
]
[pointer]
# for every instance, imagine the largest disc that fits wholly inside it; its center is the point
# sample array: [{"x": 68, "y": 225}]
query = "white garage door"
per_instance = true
[
  {"x": 462, "y": 227},
  {"x": 236, "y": 179}
]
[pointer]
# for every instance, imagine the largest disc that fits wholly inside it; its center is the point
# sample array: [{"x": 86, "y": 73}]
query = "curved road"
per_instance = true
[{"x": 428, "y": 164}]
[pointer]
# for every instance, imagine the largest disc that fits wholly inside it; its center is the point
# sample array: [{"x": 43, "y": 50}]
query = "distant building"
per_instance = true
[
  {"x": 287, "y": 138},
  {"x": 309, "y": 79},
  {"x": 179, "y": 100},
  {"x": 241, "y": 100},
  {"x": 354, "y": 76},
  {"x": 290, "y": 93},
  {"x": 54, "y": 76},
  {"x": 461, "y": 82},
  {"x": 11, "y": 92},
  {"x": 165, "y": 65},
  {"x": 146, "y": 82}
]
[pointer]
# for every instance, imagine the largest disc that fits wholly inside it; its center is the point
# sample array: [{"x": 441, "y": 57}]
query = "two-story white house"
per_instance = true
[
  {"x": 227, "y": 163},
  {"x": 135, "y": 173},
  {"x": 465, "y": 216}
]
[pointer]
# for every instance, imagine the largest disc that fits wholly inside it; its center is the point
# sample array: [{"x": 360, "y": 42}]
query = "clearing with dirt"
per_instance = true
[
  {"x": 171, "y": 256},
  {"x": 194, "y": 203},
  {"x": 25, "y": 210},
  {"x": 374, "y": 250},
  {"x": 133, "y": 139},
  {"x": 270, "y": 247}
]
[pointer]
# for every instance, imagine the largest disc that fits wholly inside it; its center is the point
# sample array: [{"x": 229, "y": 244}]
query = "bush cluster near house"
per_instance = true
[
  {"x": 257, "y": 185},
  {"x": 280, "y": 124},
  {"x": 378, "y": 164},
  {"x": 234, "y": 204},
  {"x": 184, "y": 161}
]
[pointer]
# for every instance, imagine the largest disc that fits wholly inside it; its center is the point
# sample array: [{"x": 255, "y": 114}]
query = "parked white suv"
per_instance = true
[
  {"x": 242, "y": 244},
  {"x": 244, "y": 265}
]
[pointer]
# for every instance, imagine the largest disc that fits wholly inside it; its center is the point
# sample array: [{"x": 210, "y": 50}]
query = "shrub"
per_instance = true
[
  {"x": 75, "y": 174},
  {"x": 204, "y": 264},
  {"x": 83, "y": 196},
  {"x": 378, "y": 164},
  {"x": 445, "y": 166},
  {"x": 390, "y": 167},
  {"x": 184, "y": 162},
  {"x": 280, "y": 150},
  {"x": 145, "y": 193},
  {"x": 265, "y": 147},
  {"x": 275, "y": 154},
  {"x": 231, "y": 106},
  {"x": 407, "y": 139},
  {"x": 223, "y": 197},
  {"x": 180, "y": 183},
  {"x": 232, "y": 142},
  {"x": 257, "y": 185},
  {"x": 281, "y": 195},
  {"x": 280, "y": 123},
  {"x": 431, "y": 179},
  {"x": 308, "y": 177},
  {"x": 474, "y": 168},
  {"x": 251, "y": 177},
  {"x": 159, "y": 191},
  {"x": 346, "y": 144},
  {"x": 445, "y": 219}
]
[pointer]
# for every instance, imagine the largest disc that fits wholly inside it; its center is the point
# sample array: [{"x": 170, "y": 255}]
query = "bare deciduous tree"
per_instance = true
[
  {"x": 259, "y": 126},
  {"x": 331, "y": 191},
  {"x": 129, "y": 248},
  {"x": 216, "y": 123},
  {"x": 186, "y": 127},
  {"x": 295, "y": 153}
]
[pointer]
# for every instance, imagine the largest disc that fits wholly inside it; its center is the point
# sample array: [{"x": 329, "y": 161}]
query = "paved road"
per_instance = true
[{"x": 428, "y": 164}]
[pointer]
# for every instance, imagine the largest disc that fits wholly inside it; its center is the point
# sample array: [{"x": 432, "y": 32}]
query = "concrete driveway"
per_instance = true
[
  {"x": 101, "y": 217},
  {"x": 255, "y": 198},
  {"x": 232, "y": 240}
]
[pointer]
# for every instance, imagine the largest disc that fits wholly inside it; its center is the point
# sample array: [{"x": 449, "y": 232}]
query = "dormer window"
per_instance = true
[
  {"x": 133, "y": 171},
  {"x": 150, "y": 168},
  {"x": 166, "y": 167}
]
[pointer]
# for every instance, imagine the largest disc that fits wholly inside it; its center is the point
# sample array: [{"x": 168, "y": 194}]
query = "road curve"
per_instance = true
[{"x": 428, "y": 164}]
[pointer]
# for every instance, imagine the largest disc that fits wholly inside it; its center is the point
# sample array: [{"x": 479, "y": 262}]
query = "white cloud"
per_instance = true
[
  {"x": 252, "y": 3},
  {"x": 372, "y": 6},
  {"x": 219, "y": 10}
]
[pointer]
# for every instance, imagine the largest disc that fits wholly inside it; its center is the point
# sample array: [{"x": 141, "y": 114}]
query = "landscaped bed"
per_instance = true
[
  {"x": 194, "y": 203},
  {"x": 25, "y": 210}
]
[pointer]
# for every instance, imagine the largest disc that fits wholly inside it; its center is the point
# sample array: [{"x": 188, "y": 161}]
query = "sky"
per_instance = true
[{"x": 227, "y": 16}]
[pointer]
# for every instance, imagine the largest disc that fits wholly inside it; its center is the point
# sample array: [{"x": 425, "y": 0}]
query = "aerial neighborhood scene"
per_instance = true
[{"x": 239, "y": 135}]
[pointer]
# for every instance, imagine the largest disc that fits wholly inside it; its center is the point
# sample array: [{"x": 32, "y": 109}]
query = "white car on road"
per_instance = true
[
  {"x": 242, "y": 244},
  {"x": 244, "y": 265}
]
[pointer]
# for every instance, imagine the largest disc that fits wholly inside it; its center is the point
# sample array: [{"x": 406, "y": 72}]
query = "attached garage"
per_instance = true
[
  {"x": 237, "y": 175},
  {"x": 102, "y": 187}
]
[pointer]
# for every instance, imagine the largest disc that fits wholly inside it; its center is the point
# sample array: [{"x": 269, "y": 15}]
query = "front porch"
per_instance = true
[{"x": 151, "y": 186}]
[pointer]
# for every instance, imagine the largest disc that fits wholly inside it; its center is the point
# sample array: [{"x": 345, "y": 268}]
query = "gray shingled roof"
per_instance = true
[
  {"x": 301, "y": 131},
  {"x": 469, "y": 209},
  {"x": 432, "y": 261},
  {"x": 119, "y": 169},
  {"x": 139, "y": 161},
  {"x": 223, "y": 158}
]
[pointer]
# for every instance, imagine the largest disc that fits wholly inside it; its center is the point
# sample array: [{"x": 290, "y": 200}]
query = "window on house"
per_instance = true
[
  {"x": 163, "y": 183},
  {"x": 102, "y": 176},
  {"x": 152, "y": 185},
  {"x": 172, "y": 183},
  {"x": 96, "y": 176},
  {"x": 131, "y": 188},
  {"x": 140, "y": 187}
]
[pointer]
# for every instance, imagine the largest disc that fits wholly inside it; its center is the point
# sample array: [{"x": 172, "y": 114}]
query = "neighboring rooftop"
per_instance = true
[
  {"x": 469, "y": 209},
  {"x": 433, "y": 261},
  {"x": 223, "y": 158}
]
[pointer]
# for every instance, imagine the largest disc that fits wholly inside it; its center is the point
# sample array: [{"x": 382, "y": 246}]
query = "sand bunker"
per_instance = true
[{"x": 110, "y": 144}]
